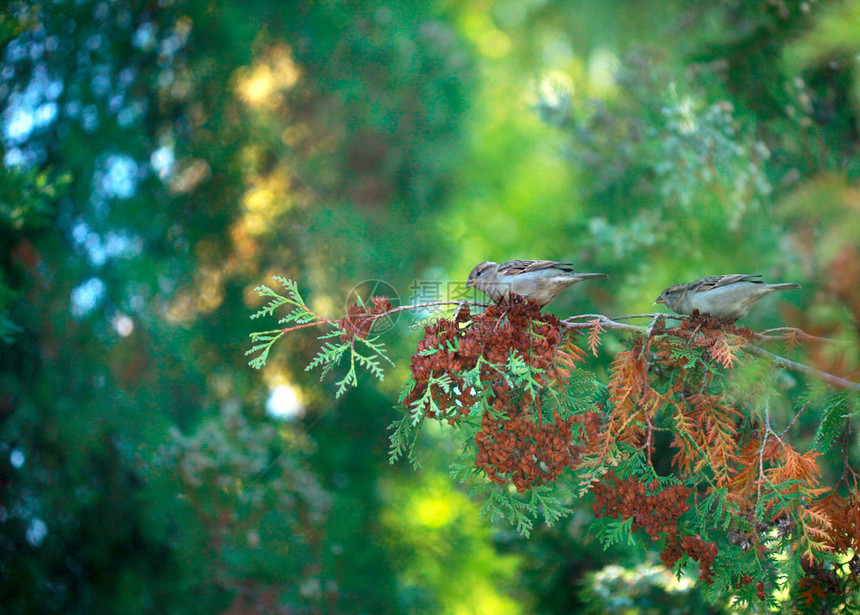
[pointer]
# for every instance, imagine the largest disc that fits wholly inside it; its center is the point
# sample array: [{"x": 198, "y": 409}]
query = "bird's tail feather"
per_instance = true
[
  {"x": 784, "y": 286},
  {"x": 593, "y": 276}
]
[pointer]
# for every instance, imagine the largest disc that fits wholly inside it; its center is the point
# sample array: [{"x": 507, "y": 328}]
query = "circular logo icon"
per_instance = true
[{"x": 363, "y": 293}]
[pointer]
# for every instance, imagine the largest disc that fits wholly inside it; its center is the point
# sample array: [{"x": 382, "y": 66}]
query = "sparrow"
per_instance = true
[
  {"x": 723, "y": 296},
  {"x": 538, "y": 281}
]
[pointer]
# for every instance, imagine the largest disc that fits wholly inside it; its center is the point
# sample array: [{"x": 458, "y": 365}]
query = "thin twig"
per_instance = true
[
  {"x": 794, "y": 420},
  {"x": 798, "y": 334},
  {"x": 584, "y": 317},
  {"x": 846, "y": 446},
  {"x": 605, "y": 322},
  {"x": 651, "y": 315},
  {"x": 767, "y": 432},
  {"x": 418, "y": 306},
  {"x": 839, "y": 383},
  {"x": 316, "y": 323}
]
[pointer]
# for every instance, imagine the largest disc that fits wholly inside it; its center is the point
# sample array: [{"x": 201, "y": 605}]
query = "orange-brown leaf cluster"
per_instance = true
[
  {"x": 721, "y": 339},
  {"x": 774, "y": 463},
  {"x": 633, "y": 399},
  {"x": 705, "y": 433},
  {"x": 844, "y": 515},
  {"x": 594, "y": 331},
  {"x": 705, "y": 424}
]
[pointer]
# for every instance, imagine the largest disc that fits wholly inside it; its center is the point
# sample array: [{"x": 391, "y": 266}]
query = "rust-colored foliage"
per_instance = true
[
  {"x": 359, "y": 319},
  {"x": 516, "y": 444},
  {"x": 711, "y": 437},
  {"x": 633, "y": 399},
  {"x": 512, "y": 358},
  {"x": 844, "y": 514},
  {"x": 722, "y": 340},
  {"x": 706, "y": 434},
  {"x": 772, "y": 463},
  {"x": 594, "y": 332},
  {"x": 764, "y": 469},
  {"x": 657, "y": 513},
  {"x": 528, "y": 453},
  {"x": 451, "y": 347}
]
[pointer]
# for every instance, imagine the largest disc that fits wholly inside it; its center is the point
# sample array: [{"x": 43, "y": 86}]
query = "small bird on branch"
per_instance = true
[
  {"x": 723, "y": 296},
  {"x": 538, "y": 281}
]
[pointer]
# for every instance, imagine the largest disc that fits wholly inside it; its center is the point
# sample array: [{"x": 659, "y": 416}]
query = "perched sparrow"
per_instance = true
[
  {"x": 539, "y": 281},
  {"x": 723, "y": 296}
]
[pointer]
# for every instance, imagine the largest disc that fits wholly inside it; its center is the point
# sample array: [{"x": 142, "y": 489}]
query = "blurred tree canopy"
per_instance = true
[{"x": 162, "y": 159}]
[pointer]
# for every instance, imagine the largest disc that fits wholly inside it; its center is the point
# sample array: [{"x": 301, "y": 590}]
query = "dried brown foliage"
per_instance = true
[
  {"x": 517, "y": 327},
  {"x": 657, "y": 513},
  {"x": 667, "y": 382},
  {"x": 359, "y": 319},
  {"x": 516, "y": 443}
]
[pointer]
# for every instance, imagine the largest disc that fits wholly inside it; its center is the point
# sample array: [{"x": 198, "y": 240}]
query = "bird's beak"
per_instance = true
[
  {"x": 470, "y": 284},
  {"x": 659, "y": 300}
]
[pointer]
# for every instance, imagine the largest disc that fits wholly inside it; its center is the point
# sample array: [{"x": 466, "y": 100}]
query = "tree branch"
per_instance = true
[
  {"x": 419, "y": 306},
  {"x": 608, "y": 323},
  {"x": 605, "y": 322},
  {"x": 571, "y": 324},
  {"x": 315, "y": 323},
  {"x": 793, "y": 333},
  {"x": 836, "y": 381},
  {"x": 651, "y": 315},
  {"x": 794, "y": 420}
]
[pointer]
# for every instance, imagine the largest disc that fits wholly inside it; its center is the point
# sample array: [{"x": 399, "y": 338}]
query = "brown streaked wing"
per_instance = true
[
  {"x": 716, "y": 281},
  {"x": 522, "y": 266}
]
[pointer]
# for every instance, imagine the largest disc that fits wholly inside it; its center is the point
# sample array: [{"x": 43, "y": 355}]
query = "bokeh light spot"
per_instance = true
[{"x": 283, "y": 403}]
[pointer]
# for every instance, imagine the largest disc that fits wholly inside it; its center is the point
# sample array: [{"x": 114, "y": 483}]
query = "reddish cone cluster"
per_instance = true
[
  {"x": 514, "y": 444},
  {"x": 528, "y": 453},
  {"x": 697, "y": 549},
  {"x": 360, "y": 318},
  {"x": 657, "y": 514},
  {"x": 451, "y": 347}
]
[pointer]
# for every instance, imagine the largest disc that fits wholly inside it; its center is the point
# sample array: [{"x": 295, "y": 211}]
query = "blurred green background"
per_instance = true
[{"x": 162, "y": 159}]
